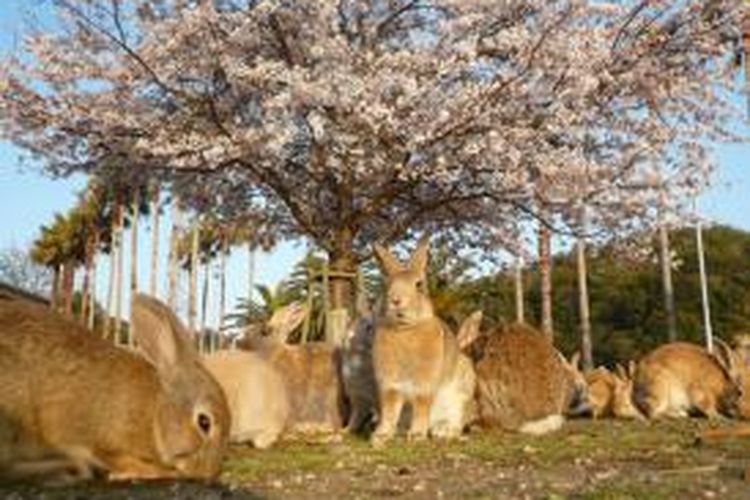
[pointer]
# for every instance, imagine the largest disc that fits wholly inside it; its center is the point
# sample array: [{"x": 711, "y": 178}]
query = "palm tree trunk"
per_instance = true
[
  {"x": 133, "y": 260},
  {"x": 223, "y": 281},
  {"x": 192, "y": 302},
  {"x": 68, "y": 285},
  {"x": 583, "y": 307},
  {"x": 666, "y": 276},
  {"x": 92, "y": 295},
  {"x": 119, "y": 270},
  {"x": 174, "y": 238},
  {"x": 86, "y": 286},
  {"x": 155, "y": 220},
  {"x": 545, "y": 277},
  {"x": 54, "y": 296},
  {"x": 520, "y": 316}
]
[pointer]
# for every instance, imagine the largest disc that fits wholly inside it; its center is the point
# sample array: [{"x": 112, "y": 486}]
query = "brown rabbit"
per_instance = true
[
  {"x": 256, "y": 395},
  {"x": 523, "y": 383},
  {"x": 413, "y": 353},
  {"x": 71, "y": 400},
  {"x": 310, "y": 372},
  {"x": 679, "y": 378},
  {"x": 610, "y": 394}
]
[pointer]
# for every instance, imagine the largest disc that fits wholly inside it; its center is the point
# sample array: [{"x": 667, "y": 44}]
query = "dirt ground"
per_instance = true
[{"x": 603, "y": 459}]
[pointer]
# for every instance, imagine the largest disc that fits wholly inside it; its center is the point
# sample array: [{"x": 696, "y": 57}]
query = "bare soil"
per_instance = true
[{"x": 587, "y": 459}]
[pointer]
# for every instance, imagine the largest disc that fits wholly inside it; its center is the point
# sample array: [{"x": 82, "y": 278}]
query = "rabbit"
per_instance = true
[
  {"x": 680, "y": 378},
  {"x": 523, "y": 382},
  {"x": 311, "y": 373},
  {"x": 256, "y": 395},
  {"x": 358, "y": 375},
  {"x": 454, "y": 407},
  {"x": 413, "y": 352},
  {"x": 73, "y": 404},
  {"x": 610, "y": 393}
]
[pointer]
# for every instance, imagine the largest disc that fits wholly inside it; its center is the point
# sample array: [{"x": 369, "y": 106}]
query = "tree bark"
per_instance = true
[
  {"x": 223, "y": 280},
  {"x": 708, "y": 331},
  {"x": 192, "y": 299},
  {"x": 86, "y": 285},
  {"x": 174, "y": 238},
  {"x": 155, "y": 223},
  {"x": 54, "y": 296},
  {"x": 112, "y": 276},
  {"x": 68, "y": 279},
  {"x": 120, "y": 217},
  {"x": 341, "y": 288},
  {"x": 545, "y": 278},
  {"x": 666, "y": 276},
  {"x": 90, "y": 320},
  {"x": 520, "y": 315},
  {"x": 587, "y": 357},
  {"x": 133, "y": 260}
]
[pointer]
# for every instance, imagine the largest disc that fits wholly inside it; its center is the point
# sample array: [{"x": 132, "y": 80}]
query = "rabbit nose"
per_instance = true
[{"x": 395, "y": 301}]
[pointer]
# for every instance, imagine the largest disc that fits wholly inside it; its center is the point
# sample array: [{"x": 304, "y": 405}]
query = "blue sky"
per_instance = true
[{"x": 28, "y": 200}]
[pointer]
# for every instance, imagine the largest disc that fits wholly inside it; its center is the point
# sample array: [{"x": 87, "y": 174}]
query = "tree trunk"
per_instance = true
[
  {"x": 545, "y": 278},
  {"x": 174, "y": 238},
  {"x": 90, "y": 320},
  {"x": 133, "y": 260},
  {"x": 204, "y": 295},
  {"x": 68, "y": 285},
  {"x": 342, "y": 270},
  {"x": 155, "y": 224},
  {"x": 587, "y": 356},
  {"x": 54, "y": 296},
  {"x": 112, "y": 276},
  {"x": 708, "y": 331},
  {"x": 520, "y": 316},
  {"x": 86, "y": 285},
  {"x": 192, "y": 299},
  {"x": 223, "y": 281},
  {"x": 666, "y": 276},
  {"x": 120, "y": 209}
]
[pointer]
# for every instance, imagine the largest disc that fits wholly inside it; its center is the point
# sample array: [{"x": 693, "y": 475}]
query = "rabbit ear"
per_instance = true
[
  {"x": 575, "y": 359},
  {"x": 418, "y": 261},
  {"x": 160, "y": 336},
  {"x": 286, "y": 319},
  {"x": 620, "y": 372},
  {"x": 632, "y": 366},
  {"x": 388, "y": 263},
  {"x": 469, "y": 330}
]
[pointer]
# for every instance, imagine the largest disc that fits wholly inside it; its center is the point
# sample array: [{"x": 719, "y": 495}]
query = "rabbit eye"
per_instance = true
[
  {"x": 420, "y": 285},
  {"x": 204, "y": 423}
]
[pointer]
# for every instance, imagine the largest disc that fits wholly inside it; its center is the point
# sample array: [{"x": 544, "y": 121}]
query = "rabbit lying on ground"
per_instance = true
[
  {"x": 524, "y": 384},
  {"x": 310, "y": 372},
  {"x": 72, "y": 403},
  {"x": 678, "y": 378},
  {"x": 256, "y": 395}
]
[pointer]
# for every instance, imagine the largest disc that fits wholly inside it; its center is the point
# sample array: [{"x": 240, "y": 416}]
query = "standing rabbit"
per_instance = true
[
  {"x": 678, "y": 378},
  {"x": 73, "y": 402},
  {"x": 523, "y": 383},
  {"x": 413, "y": 353},
  {"x": 256, "y": 394},
  {"x": 310, "y": 372}
]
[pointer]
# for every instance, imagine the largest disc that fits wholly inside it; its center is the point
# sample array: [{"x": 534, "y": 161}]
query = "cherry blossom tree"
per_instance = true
[{"x": 348, "y": 122}]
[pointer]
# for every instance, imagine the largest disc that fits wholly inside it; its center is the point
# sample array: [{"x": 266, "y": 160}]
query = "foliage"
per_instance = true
[
  {"x": 19, "y": 270},
  {"x": 627, "y": 308}
]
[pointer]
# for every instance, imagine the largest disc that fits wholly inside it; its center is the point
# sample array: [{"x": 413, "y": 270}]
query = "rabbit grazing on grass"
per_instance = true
[
  {"x": 610, "y": 393},
  {"x": 256, "y": 395},
  {"x": 680, "y": 378},
  {"x": 523, "y": 383},
  {"x": 72, "y": 403},
  {"x": 414, "y": 354}
]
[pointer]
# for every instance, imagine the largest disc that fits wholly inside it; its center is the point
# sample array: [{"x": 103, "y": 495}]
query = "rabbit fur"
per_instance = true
[{"x": 72, "y": 403}]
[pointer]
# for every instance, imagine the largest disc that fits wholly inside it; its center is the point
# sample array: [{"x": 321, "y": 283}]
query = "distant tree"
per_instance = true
[{"x": 17, "y": 268}]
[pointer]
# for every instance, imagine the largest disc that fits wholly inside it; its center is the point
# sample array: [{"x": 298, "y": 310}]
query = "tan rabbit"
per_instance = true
[
  {"x": 454, "y": 406},
  {"x": 256, "y": 395},
  {"x": 523, "y": 383},
  {"x": 610, "y": 394},
  {"x": 679, "y": 378},
  {"x": 310, "y": 372},
  {"x": 413, "y": 353},
  {"x": 71, "y": 400}
]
